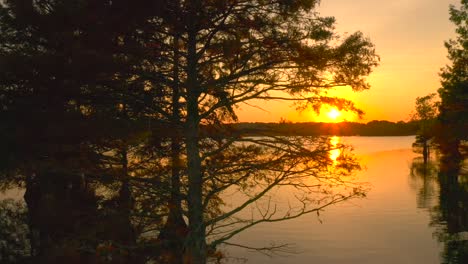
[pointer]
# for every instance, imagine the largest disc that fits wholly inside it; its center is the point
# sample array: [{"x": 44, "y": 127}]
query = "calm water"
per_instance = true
[
  {"x": 412, "y": 214},
  {"x": 399, "y": 221}
]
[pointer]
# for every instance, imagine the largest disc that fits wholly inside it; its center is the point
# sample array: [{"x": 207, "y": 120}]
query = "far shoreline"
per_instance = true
[{"x": 373, "y": 128}]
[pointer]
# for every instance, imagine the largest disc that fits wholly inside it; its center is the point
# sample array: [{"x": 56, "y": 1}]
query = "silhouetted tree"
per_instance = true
[
  {"x": 71, "y": 106},
  {"x": 108, "y": 88},
  {"x": 453, "y": 94},
  {"x": 425, "y": 114},
  {"x": 233, "y": 52}
]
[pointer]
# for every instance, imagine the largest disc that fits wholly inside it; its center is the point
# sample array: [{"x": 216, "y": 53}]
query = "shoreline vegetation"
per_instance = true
[{"x": 372, "y": 128}]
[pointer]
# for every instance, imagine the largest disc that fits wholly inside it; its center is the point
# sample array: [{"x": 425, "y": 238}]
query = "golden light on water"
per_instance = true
[{"x": 335, "y": 152}]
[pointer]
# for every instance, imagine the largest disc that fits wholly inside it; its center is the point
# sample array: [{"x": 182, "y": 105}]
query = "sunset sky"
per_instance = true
[{"x": 409, "y": 36}]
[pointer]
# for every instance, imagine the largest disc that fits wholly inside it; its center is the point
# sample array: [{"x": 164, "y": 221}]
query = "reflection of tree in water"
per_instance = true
[
  {"x": 449, "y": 216},
  {"x": 453, "y": 213},
  {"x": 425, "y": 180}
]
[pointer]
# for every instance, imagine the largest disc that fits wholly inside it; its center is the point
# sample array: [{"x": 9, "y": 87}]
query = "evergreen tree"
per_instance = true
[
  {"x": 454, "y": 92},
  {"x": 71, "y": 107}
]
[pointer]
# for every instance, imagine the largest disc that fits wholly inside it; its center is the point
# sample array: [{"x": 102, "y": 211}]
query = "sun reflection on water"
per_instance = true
[{"x": 334, "y": 152}]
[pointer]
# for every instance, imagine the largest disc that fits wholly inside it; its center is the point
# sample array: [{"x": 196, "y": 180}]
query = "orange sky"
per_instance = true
[{"x": 409, "y": 36}]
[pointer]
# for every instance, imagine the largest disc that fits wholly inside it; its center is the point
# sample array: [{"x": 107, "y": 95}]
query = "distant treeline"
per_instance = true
[{"x": 373, "y": 128}]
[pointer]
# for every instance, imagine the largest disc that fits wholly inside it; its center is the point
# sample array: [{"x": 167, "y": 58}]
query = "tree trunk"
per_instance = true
[
  {"x": 175, "y": 199},
  {"x": 196, "y": 243},
  {"x": 31, "y": 197},
  {"x": 126, "y": 235},
  {"x": 174, "y": 232},
  {"x": 451, "y": 155},
  {"x": 196, "y": 240},
  {"x": 425, "y": 151}
]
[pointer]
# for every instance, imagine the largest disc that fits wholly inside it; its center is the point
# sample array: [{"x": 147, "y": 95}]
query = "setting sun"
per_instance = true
[
  {"x": 330, "y": 114},
  {"x": 333, "y": 114}
]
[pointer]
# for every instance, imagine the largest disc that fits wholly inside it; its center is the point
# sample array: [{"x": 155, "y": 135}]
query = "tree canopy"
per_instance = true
[
  {"x": 454, "y": 90},
  {"x": 139, "y": 92},
  {"x": 425, "y": 114}
]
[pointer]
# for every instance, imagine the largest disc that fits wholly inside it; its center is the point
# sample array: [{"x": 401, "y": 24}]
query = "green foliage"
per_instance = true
[
  {"x": 425, "y": 114},
  {"x": 426, "y": 108},
  {"x": 454, "y": 91},
  {"x": 14, "y": 242}
]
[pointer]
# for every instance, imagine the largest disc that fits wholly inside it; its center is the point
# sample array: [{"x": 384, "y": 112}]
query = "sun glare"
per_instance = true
[{"x": 333, "y": 114}]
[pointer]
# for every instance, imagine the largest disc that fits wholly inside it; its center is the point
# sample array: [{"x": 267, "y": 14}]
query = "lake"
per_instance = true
[
  {"x": 412, "y": 214},
  {"x": 400, "y": 221}
]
